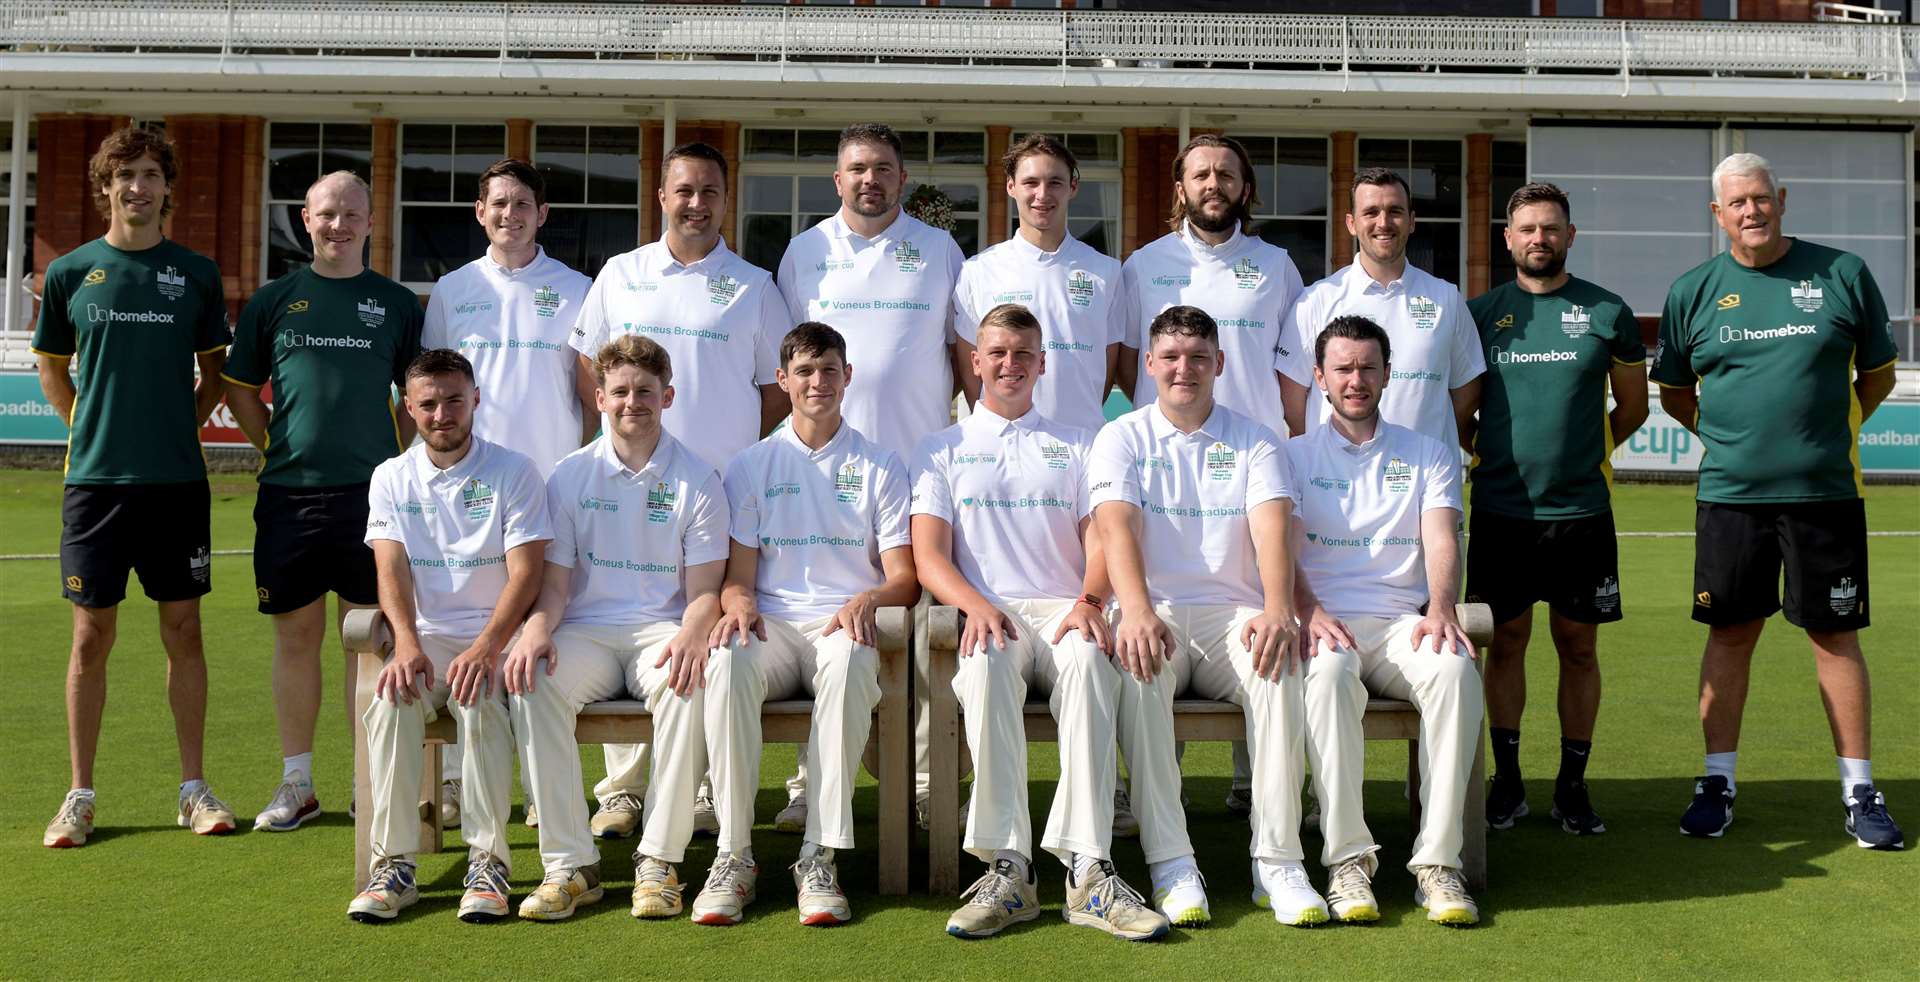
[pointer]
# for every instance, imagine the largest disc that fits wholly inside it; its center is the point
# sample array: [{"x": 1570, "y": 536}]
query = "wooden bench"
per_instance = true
[
  {"x": 1193, "y": 719},
  {"x": 889, "y": 752}
]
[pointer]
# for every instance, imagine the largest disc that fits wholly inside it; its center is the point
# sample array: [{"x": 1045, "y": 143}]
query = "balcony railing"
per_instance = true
[{"x": 1066, "y": 38}]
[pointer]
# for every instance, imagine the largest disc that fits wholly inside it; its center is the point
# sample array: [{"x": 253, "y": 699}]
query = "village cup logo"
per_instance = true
[
  {"x": 722, "y": 289},
  {"x": 660, "y": 501},
  {"x": 1246, "y": 274},
  {"x": 1425, "y": 313},
  {"x": 1080, "y": 288},
  {"x": 1056, "y": 455},
  {"x": 1398, "y": 475},
  {"x": 170, "y": 283},
  {"x": 847, "y": 484},
  {"x": 1575, "y": 323},
  {"x": 1220, "y": 462},
  {"x": 546, "y": 301},
  {"x": 1806, "y": 297},
  {"x": 371, "y": 313},
  {"x": 477, "y": 498},
  {"x": 908, "y": 257}
]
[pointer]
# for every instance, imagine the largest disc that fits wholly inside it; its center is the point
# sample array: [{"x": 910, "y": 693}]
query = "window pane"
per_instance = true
[
  {"x": 347, "y": 146},
  {"x": 1621, "y": 205},
  {"x": 817, "y": 144},
  {"x": 913, "y": 147},
  {"x": 436, "y": 240},
  {"x": 765, "y": 240},
  {"x": 1435, "y": 247},
  {"x": 560, "y": 153},
  {"x": 293, "y": 159},
  {"x": 1509, "y": 172},
  {"x": 1639, "y": 268},
  {"x": 965, "y": 197},
  {"x": 1559, "y": 151},
  {"x": 1391, "y": 154},
  {"x": 1095, "y": 148},
  {"x": 960, "y": 148},
  {"x": 426, "y": 154},
  {"x": 1438, "y": 178},
  {"x": 1297, "y": 182},
  {"x": 966, "y": 235},
  {"x": 614, "y": 165},
  {"x": 769, "y": 194},
  {"x": 1305, "y": 241},
  {"x": 1502, "y": 265},
  {"x": 1101, "y": 234},
  {"x": 288, "y": 245},
  {"x": 585, "y": 238},
  {"x": 769, "y": 145},
  {"x": 817, "y": 194},
  {"x": 475, "y": 148}
]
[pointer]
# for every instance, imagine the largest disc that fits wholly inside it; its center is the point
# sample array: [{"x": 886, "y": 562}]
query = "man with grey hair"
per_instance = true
[
  {"x": 331, "y": 337},
  {"x": 1774, "y": 353}
]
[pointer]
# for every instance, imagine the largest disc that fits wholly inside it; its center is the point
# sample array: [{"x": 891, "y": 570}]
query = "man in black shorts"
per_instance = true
[
  {"x": 137, "y": 311},
  {"x": 1542, "y": 504},
  {"x": 1774, "y": 353},
  {"x": 331, "y": 337}
]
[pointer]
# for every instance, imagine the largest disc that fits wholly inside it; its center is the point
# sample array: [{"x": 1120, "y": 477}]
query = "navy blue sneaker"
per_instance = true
[
  {"x": 1868, "y": 821},
  {"x": 1575, "y": 810},
  {"x": 1506, "y": 801},
  {"x": 1712, "y": 808}
]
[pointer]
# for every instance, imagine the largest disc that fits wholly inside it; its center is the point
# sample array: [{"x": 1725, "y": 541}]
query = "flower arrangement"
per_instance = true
[{"x": 931, "y": 205}]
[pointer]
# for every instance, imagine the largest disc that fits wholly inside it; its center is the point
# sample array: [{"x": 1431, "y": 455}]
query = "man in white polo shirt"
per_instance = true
[
  {"x": 1437, "y": 377},
  {"x": 720, "y": 318},
  {"x": 1379, "y": 574},
  {"x": 1073, "y": 290},
  {"x": 458, "y": 528},
  {"x": 1195, "y": 513},
  {"x": 820, "y": 543},
  {"x": 1000, "y": 523},
  {"x": 630, "y": 595}
]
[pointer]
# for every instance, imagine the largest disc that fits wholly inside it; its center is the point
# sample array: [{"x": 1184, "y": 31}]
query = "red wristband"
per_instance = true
[{"x": 1092, "y": 601}]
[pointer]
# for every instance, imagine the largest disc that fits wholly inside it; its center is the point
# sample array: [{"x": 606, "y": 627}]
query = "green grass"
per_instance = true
[{"x": 1784, "y": 895}]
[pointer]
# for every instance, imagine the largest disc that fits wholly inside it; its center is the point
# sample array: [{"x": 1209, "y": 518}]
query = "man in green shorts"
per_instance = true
[
  {"x": 138, "y": 311},
  {"x": 1542, "y": 502},
  {"x": 331, "y": 337},
  {"x": 1774, "y": 352}
]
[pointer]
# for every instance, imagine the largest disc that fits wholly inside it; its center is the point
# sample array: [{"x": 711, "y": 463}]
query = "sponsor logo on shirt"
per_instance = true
[
  {"x": 1730, "y": 334},
  {"x": 1703, "y": 599},
  {"x": 1339, "y": 484},
  {"x": 1249, "y": 323},
  {"x": 1504, "y": 322},
  {"x": 95, "y": 278},
  {"x": 847, "y": 483},
  {"x": 477, "y": 498},
  {"x": 1501, "y": 357},
  {"x": 660, "y": 499},
  {"x": 1806, "y": 297},
  {"x": 546, "y": 301},
  {"x": 1362, "y": 541},
  {"x": 628, "y": 565},
  {"x": 170, "y": 283},
  {"x": 1576, "y": 323},
  {"x": 295, "y": 339},
  {"x": 1728, "y": 302},
  {"x": 1044, "y": 501},
  {"x": 1101, "y": 485},
  {"x": 1155, "y": 464},
  {"x": 1399, "y": 475},
  {"x": 477, "y": 343},
  {"x": 1056, "y": 454},
  {"x": 833, "y": 265},
  {"x": 1220, "y": 462},
  {"x": 75, "y": 583},
  {"x": 1080, "y": 346},
  {"x": 1080, "y": 288},
  {"x": 1606, "y": 596},
  {"x": 962, "y": 459},
  {"x": 722, "y": 289},
  {"x": 1416, "y": 375},
  {"x": 591, "y": 503},
  {"x": 1246, "y": 274},
  {"x": 1012, "y": 296},
  {"x": 788, "y": 541},
  {"x": 371, "y": 313},
  {"x": 1844, "y": 597},
  {"x": 640, "y": 286},
  {"x": 698, "y": 333},
  {"x": 1184, "y": 511},
  {"x": 1172, "y": 280},
  {"x": 783, "y": 488},
  {"x": 96, "y": 314},
  {"x": 299, "y": 307},
  {"x": 453, "y": 562},
  {"x": 843, "y": 306},
  {"x": 474, "y": 307},
  {"x": 908, "y": 257},
  {"x": 1425, "y": 313},
  {"x": 414, "y": 507}
]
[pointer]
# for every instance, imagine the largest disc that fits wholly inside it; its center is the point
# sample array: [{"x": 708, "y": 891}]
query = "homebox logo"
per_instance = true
[
  {"x": 295, "y": 339},
  {"x": 1501, "y": 357},
  {"x": 96, "y": 314},
  {"x": 1730, "y": 334}
]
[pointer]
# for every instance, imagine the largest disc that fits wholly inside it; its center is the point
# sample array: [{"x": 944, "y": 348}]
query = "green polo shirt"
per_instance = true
[
  {"x": 134, "y": 321},
  {"x": 333, "y": 349},
  {"x": 1774, "y": 352},
  {"x": 1543, "y": 441}
]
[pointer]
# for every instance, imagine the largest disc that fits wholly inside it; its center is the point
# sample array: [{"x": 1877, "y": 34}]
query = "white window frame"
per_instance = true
[
  {"x": 400, "y": 202},
  {"x": 638, "y": 205},
  {"x": 1333, "y": 211},
  {"x": 1459, "y": 276},
  {"x": 1114, "y": 173}
]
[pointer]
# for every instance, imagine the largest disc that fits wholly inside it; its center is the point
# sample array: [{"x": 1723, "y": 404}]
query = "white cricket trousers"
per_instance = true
[
  {"x": 396, "y": 756},
  {"x": 1084, "y": 689},
  {"x": 1443, "y": 686},
  {"x": 844, "y": 680},
  {"x": 1209, "y": 660},
  {"x": 595, "y": 663}
]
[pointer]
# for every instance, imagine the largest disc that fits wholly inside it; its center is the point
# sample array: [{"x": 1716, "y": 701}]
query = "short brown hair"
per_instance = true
[
  {"x": 439, "y": 361},
  {"x": 879, "y": 134},
  {"x": 640, "y": 352},
  {"x": 1010, "y": 317},
  {"x": 124, "y": 146},
  {"x": 694, "y": 151},
  {"x": 1247, "y": 176},
  {"x": 1539, "y": 193},
  {"x": 1040, "y": 144},
  {"x": 517, "y": 169},
  {"x": 1379, "y": 177},
  {"x": 811, "y": 338},
  {"x": 1185, "y": 320}
]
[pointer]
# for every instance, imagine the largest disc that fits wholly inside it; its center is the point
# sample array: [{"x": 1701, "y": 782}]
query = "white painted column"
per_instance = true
[
  {"x": 1186, "y": 126},
  {"x": 15, "y": 309},
  {"x": 669, "y": 127}
]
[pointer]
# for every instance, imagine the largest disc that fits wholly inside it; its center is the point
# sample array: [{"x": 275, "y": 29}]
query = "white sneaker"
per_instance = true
[
  {"x": 822, "y": 902},
  {"x": 1350, "y": 891},
  {"x": 1284, "y": 887},
  {"x": 705, "y": 820},
  {"x": 390, "y": 889},
  {"x": 1181, "y": 894},
  {"x": 293, "y": 805},
  {"x": 732, "y": 884},
  {"x": 1443, "y": 892},
  {"x": 793, "y": 818},
  {"x": 617, "y": 817}
]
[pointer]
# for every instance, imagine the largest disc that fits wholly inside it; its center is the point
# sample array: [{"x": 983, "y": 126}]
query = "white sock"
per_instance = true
[
  {"x": 1853, "y": 770},
  {"x": 82, "y": 792},
  {"x": 297, "y": 764},
  {"x": 1083, "y": 866},
  {"x": 189, "y": 787},
  {"x": 1721, "y": 765},
  {"x": 1019, "y": 862},
  {"x": 809, "y": 849},
  {"x": 744, "y": 854},
  {"x": 1162, "y": 873}
]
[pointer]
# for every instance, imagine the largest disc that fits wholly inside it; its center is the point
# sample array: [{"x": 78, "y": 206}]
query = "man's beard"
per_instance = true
[
  {"x": 1547, "y": 270},
  {"x": 1228, "y": 221}
]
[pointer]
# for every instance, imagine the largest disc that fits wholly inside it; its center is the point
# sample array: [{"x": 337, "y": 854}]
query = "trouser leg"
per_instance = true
[
  {"x": 845, "y": 684},
  {"x": 1336, "y": 705}
]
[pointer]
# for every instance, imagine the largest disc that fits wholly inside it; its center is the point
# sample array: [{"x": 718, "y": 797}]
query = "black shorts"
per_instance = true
[
  {"x": 308, "y": 542},
  {"x": 157, "y": 530},
  {"x": 1571, "y": 563},
  {"x": 1739, "y": 552}
]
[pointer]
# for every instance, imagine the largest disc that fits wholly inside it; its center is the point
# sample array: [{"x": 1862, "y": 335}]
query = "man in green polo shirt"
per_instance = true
[
  {"x": 1773, "y": 353},
  {"x": 331, "y": 337},
  {"x": 1542, "y": 494},
  {"x": 138, "y": 312}
]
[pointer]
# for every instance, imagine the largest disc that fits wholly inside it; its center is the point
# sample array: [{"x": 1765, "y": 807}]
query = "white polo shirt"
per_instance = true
[
  {"x": 1361, "y": 506},
  {"x": 1436, "y": 348},
  {"x": 891, "y": 297},
  {"x": 721, "y": 320},
  {"x": 457, "y": 525},
  {"x": 1194, "y": 491},
  {"x": 628, "y": 535},
  {"x": 1014, "y": 492},
  {"x": 513, "y": 325},
  {"x": 821, "y": 518},
  {"x": 1246, "y": 284},
  {"x": 1075, "y": 293}
]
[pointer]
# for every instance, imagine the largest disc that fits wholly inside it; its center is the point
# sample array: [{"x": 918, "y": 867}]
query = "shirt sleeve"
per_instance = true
[
  {"x": 383, "y": 519},
  {"x": 249, "y": 362},
  {"x": 54, "y": 335},
  {"x": 966, "y": 319},
  {"x": 705, "y": 538},
  {"x": 1441, "y": 489},
  {"x": 1269, "y": 477},
  {"x": 892, "y": 518},
  {"x": 211, "y": 333},
  {"x": 1466, "y": 361},
  {"x": 1293, "y": 355},
  {"x": 433, "y": 329},
  {"x": 790, "y": 288},
  {"x": 562, "y": 551},
  {"x": 1082, "y": 448},
  {"x": 932, "y": 492},
  {"x": 1873, "y": 336},
  {"x": 1625, "y": 345},
  {"x": 1672, "y": 357},
  {"x": 955, "y": 260},
  {"x": 523, "y": 509},
  {"x": 1133, "y": 328},
  {"x": 743, "y": 502},
  {"x": 1112, "y": 472},
  {"x": 590, "y": 328},
  {"x": 1290, "y": 289},
  {"x": 772, "y": 331}
]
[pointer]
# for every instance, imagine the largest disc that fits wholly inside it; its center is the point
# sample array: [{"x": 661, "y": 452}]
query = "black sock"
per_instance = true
[
  {"x": 1573, "y": 761},
  {"x": 1506, "y": 753}
]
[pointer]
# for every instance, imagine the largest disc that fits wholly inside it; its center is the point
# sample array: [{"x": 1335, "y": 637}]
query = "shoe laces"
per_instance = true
[
  {"x": 651, "y": 870},
  {"x": 816, "y": 875},
  {"x": 726, "y": 872},
  {"x": 1120, "y": 895},
  {"x": 390, "y": 875},
  {"x": 1293, "y": 876},
  {"x": 201, "y": 799},
  {"x": 1443, "y": 883},
  {"x": 486, "y": 872},
  {"x": 286, "y": 796},
  {"x": 558, "y": 877},
  {"x": 73, "y": 810},
  {"x": 1873, "y": 804},
  {"x": 621, "y": 801},
  {"x": 990, "y": 889},
  {"x": 1122, "y": 802},
  {"x": 1349, "y": 879},
  {"x": 701, "y": 802}
]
